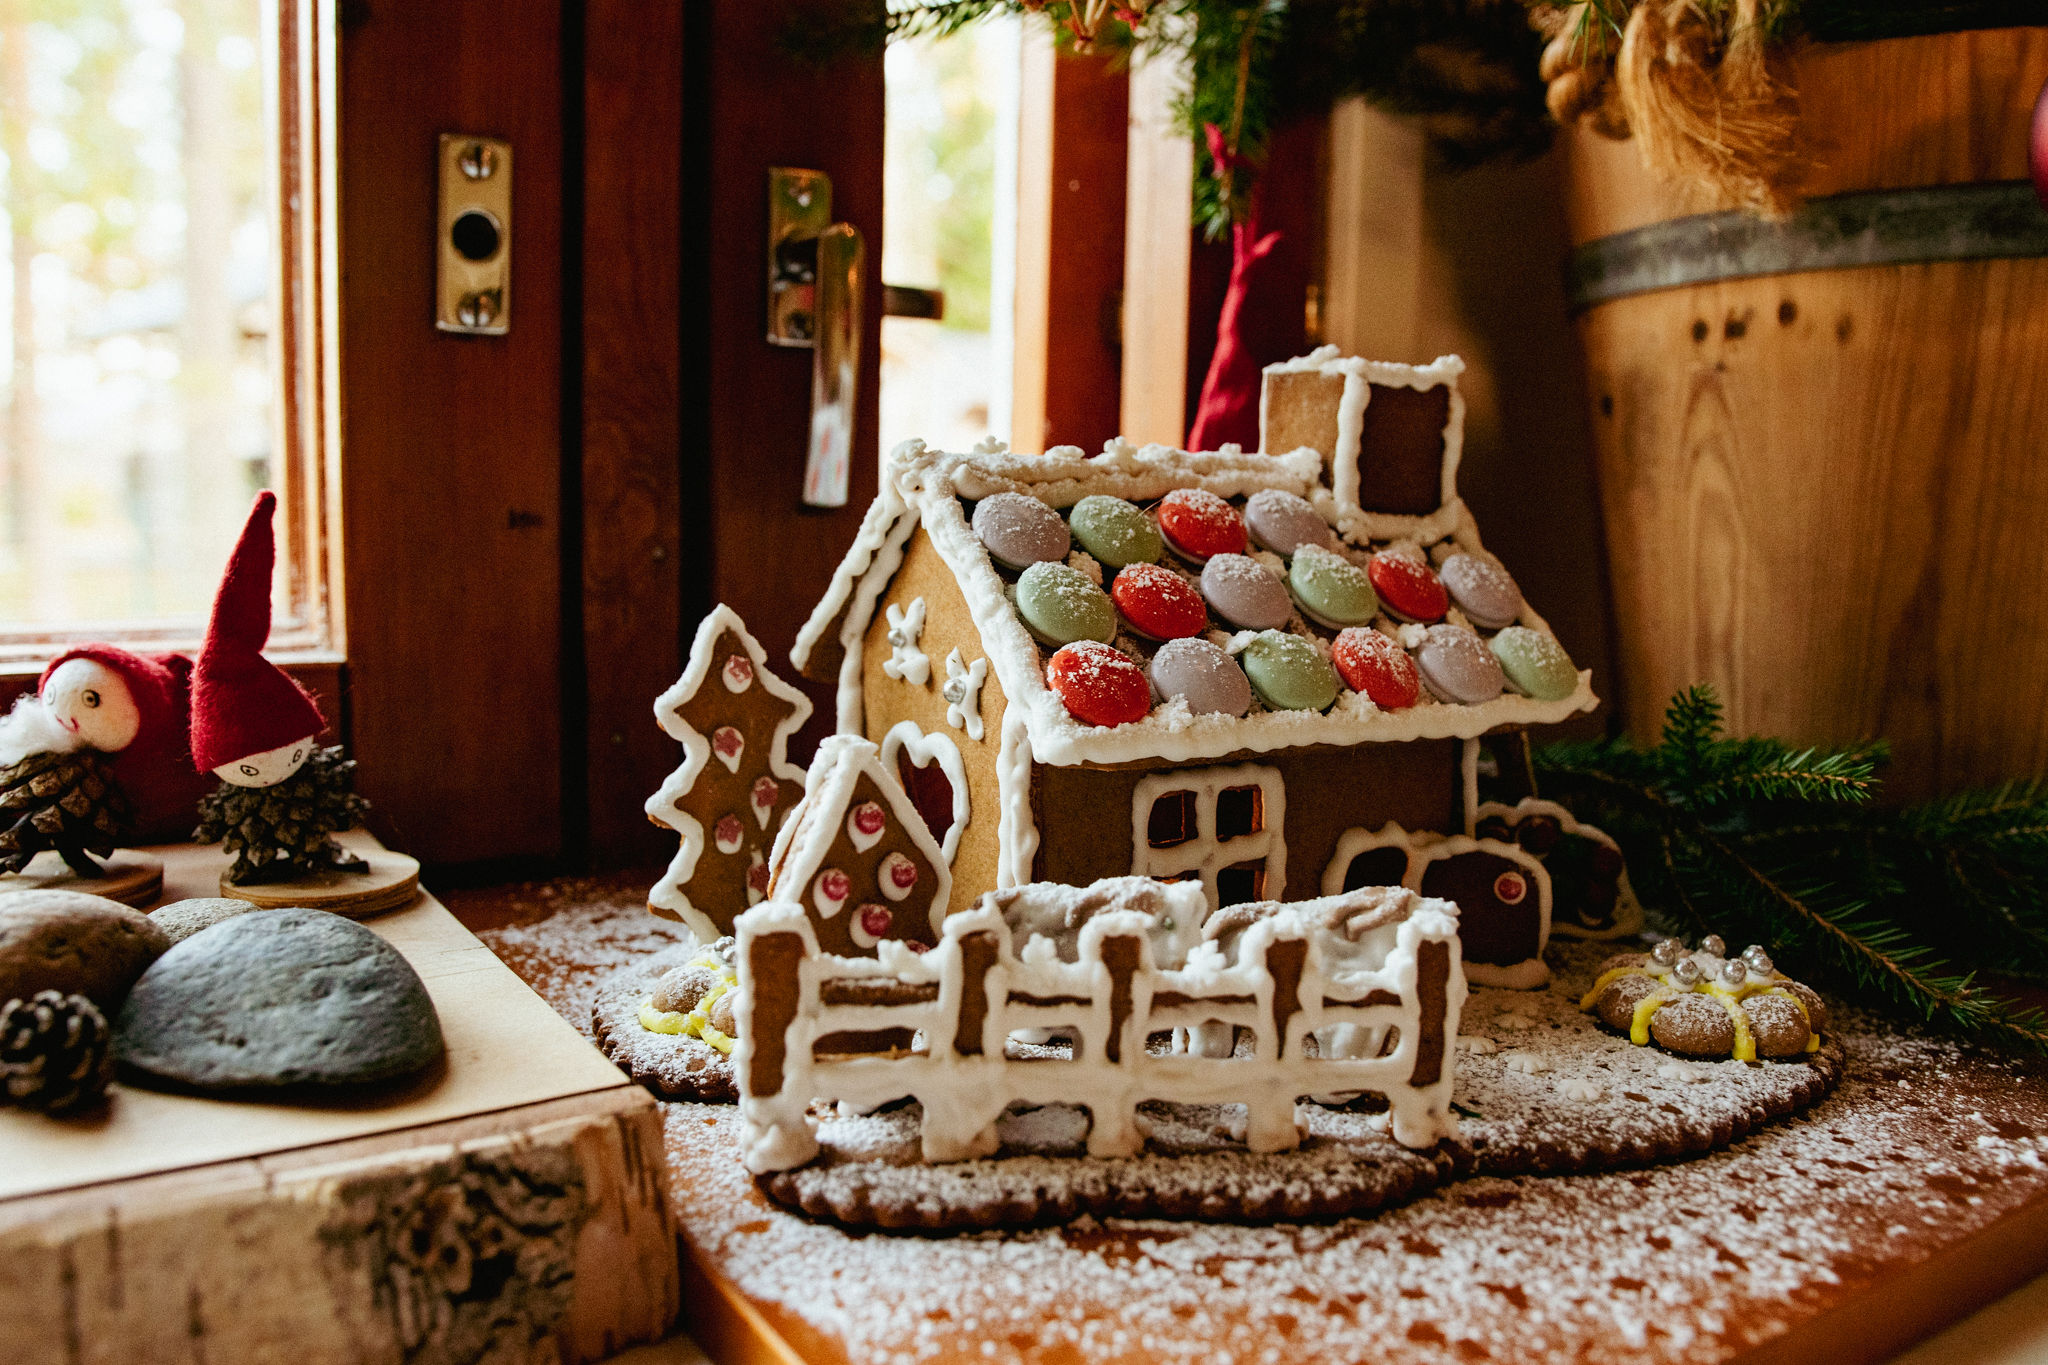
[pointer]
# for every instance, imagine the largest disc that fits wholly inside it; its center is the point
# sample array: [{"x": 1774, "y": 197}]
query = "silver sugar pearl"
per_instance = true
[
  {"x": 1759, "y": 961},
  {"x": 954, "y": 691},
  {"x": 1734, "y": 971},
  {"x": 898, "y": 638},
  {"x": 1714, "y": 946},
  {"x": 1687, "y": 972},
  {"x": 1668, "y": 951}
]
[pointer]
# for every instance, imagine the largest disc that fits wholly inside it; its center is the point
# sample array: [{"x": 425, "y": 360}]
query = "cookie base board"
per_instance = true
[
  {"x": 1550, "y": 1093},
  {"x": 762, "y": 1283},
  {"x": 131, "y": 877},
  {"x": 671, "y": 1065}
]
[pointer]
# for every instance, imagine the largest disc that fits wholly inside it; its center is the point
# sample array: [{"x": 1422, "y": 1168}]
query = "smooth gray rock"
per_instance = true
[
  {"x": 72, "y": 942},
  {"x": 291, "y": 997},
  {"x": 181, "y": 919}
]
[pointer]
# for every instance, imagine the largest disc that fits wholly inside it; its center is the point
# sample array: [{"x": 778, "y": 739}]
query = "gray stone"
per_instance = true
[
  {"x": 291, "y": 997},
  {"x": 72, "y": 942},
  {"x": 181, "y": 919}
]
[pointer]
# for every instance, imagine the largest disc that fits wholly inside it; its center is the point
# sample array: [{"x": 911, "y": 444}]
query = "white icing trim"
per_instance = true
[
  {"x": 906, "y": 662},
  {"x": 906, "y": 737},
  {"x": 963, "y": 681},
  {"x": 1204, "y": 853},
  {"x": 1628, "y": 911},
  {"x": 963, "y": 1094},
  {"x": 668, "y": 894},
  {"x": 1017, "y": 827},
  {"x": 1423, "y": 848},
  {"x": 828, "y": 800}
]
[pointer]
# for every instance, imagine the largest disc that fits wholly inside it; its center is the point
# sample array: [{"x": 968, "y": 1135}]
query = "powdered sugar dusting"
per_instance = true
[{"x": 1923, "y": 1144}]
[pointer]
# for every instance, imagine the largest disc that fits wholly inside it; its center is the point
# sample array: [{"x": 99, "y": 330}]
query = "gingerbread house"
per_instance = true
[{"x": 948, "y": 654}]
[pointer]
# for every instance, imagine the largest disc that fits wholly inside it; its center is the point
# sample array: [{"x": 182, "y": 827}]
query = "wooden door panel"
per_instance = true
[{"x": 747, "y": 539}]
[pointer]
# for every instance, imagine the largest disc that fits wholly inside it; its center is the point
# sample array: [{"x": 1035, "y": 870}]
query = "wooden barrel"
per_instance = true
[{"x": 1823, "y": 446}]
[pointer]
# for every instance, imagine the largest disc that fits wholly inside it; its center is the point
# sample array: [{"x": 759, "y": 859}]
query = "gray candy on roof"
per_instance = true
[
  {"x": 1245, "y": 593},
  {"x": 1018, "y": 530}
]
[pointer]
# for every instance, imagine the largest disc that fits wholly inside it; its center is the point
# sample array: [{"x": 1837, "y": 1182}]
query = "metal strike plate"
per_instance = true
[
  {"x": 473, "y": 280},
  {"x": 799, "y": 209}
]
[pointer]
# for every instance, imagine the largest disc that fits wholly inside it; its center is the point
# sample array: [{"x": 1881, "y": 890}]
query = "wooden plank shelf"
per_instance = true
[{"x": 506, "y": 1205}]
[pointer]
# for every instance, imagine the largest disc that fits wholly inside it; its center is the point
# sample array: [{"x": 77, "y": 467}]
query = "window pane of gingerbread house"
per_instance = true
[
  {"x": 1377, "y": 867},
  {"x": 1241, "y": 882},
  {"x": 1240, "y": 811},
  {"x": 1172, "y": 820},
  {"x": 930, "y": 790}
]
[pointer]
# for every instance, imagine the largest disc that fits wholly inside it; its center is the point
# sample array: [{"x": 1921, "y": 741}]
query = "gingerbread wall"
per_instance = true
[
  {"x": 887, "y": 701},
  {"x": 1084, "y": 813},
  {"x": 1400, "y": 443}
]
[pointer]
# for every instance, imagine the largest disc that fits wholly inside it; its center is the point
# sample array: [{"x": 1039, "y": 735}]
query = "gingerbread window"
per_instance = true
[{"x": 1223, "y": 825}]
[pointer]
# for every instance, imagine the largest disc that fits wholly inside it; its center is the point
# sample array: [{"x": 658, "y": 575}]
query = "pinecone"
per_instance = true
[
  {"x": 277, "y": 833},
  {"x": 69, "y": 802},
  {"x": 53, "y": 1051}
]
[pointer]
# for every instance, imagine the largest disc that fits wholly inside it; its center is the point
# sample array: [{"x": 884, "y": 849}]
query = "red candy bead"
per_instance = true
[
  {"x": 876, "y": 920},
  {"x": 1371, "y": 663},
  {"x": 1098, "y": 685},
  {"x": 1409, "y": 588},
  {"x": 1158, "y": 602},
  {"x": 1199, "y": 524}
]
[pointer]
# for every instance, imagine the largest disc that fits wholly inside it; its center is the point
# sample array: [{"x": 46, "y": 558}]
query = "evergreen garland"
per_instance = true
[
  {"x": 1468, "y": 67},
  {"x": 1752, "y": 839}
]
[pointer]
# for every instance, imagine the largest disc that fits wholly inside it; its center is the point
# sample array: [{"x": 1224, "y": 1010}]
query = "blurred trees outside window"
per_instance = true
[
  {"x": 140, "y": 384},
  {"x": 949, "y": 188}
]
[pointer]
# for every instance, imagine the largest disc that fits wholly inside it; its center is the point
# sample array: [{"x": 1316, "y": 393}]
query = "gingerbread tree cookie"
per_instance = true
[
  {"x": 1706, "y": 1003},
  {"x": 733, "y": 718}
]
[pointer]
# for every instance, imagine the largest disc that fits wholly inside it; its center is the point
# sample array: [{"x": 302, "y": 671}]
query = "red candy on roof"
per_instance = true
[
  {"x": 1098, "y": 685},
  {"x": 1158, "y": 602},
  {"x": 1408, "y": 587},
  {"x": 1371, "y": 663},
  {"x": 1199, "y": 524}
]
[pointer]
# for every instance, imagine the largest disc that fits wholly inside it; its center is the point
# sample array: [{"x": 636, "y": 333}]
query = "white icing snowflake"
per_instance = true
[
  {"x": 989, "y": 445},
  {"x": 1579, "y": 1088},
  {"x": 906, "y": 661},
  {"x": 1527, "y": 1063},
  {"x": 962, "y": 692},
  {"x": 1477, "y": 1046}
]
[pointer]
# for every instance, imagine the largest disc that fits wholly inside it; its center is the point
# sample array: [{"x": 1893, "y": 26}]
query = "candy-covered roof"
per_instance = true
[{"x": 938, "y": 491}]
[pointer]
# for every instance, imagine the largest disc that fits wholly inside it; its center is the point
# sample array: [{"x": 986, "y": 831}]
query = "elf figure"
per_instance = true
[
  {"x": 281, "y": 796},
  {"x": 99, "y": 752}
]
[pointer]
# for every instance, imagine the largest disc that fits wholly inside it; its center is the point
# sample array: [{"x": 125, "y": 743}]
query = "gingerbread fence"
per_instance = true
[{"x": 934, "y": 1026}]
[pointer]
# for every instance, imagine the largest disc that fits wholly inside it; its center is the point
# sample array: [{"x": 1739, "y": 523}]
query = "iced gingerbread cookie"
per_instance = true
[
  {"x": 668, "y": 1022},
  {"x": 728, "y": 799},
  {"x": 1705, "y": 1003}
]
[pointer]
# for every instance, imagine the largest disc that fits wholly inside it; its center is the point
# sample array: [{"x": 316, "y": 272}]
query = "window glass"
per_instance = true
[
  {"x": 140, "y": 388},
  {"x": 949, "y": 206}
]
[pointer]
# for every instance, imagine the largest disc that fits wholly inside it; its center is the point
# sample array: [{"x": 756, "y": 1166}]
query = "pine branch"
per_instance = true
[{"x": 1897, "y": 909}]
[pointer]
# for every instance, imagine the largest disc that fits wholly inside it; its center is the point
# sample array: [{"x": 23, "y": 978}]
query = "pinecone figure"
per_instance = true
[
  {"x": 277, "y": 833},
  {"x": 69, "y": 802},
  {"x": 53, "y": 1051}
]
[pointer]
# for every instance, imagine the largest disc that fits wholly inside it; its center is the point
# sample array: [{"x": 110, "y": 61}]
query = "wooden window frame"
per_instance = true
[{"x": 307, "y": 635}]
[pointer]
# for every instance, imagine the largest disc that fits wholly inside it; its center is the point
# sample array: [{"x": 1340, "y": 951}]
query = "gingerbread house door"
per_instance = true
[{"x": 1222, "y": 825}]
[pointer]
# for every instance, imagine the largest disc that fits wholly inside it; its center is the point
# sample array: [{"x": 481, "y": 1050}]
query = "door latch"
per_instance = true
[{"x": 473, "y": 276}]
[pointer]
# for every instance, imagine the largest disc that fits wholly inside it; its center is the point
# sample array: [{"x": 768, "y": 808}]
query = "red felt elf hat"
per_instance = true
[
  {"x": 158, "y": 684},
  {"x": 243, "y": 704}
]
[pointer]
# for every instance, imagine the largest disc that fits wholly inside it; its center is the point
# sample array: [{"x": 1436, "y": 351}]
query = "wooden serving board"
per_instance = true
[
  {"x": 1915, "y": 1194},
  {"x": 507, "y": 1199}
]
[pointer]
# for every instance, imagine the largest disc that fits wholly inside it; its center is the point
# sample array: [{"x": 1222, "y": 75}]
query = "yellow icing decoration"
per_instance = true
[
  {"x": 1669, "y": 988},
  {"x": 660, "y": 1021}
]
